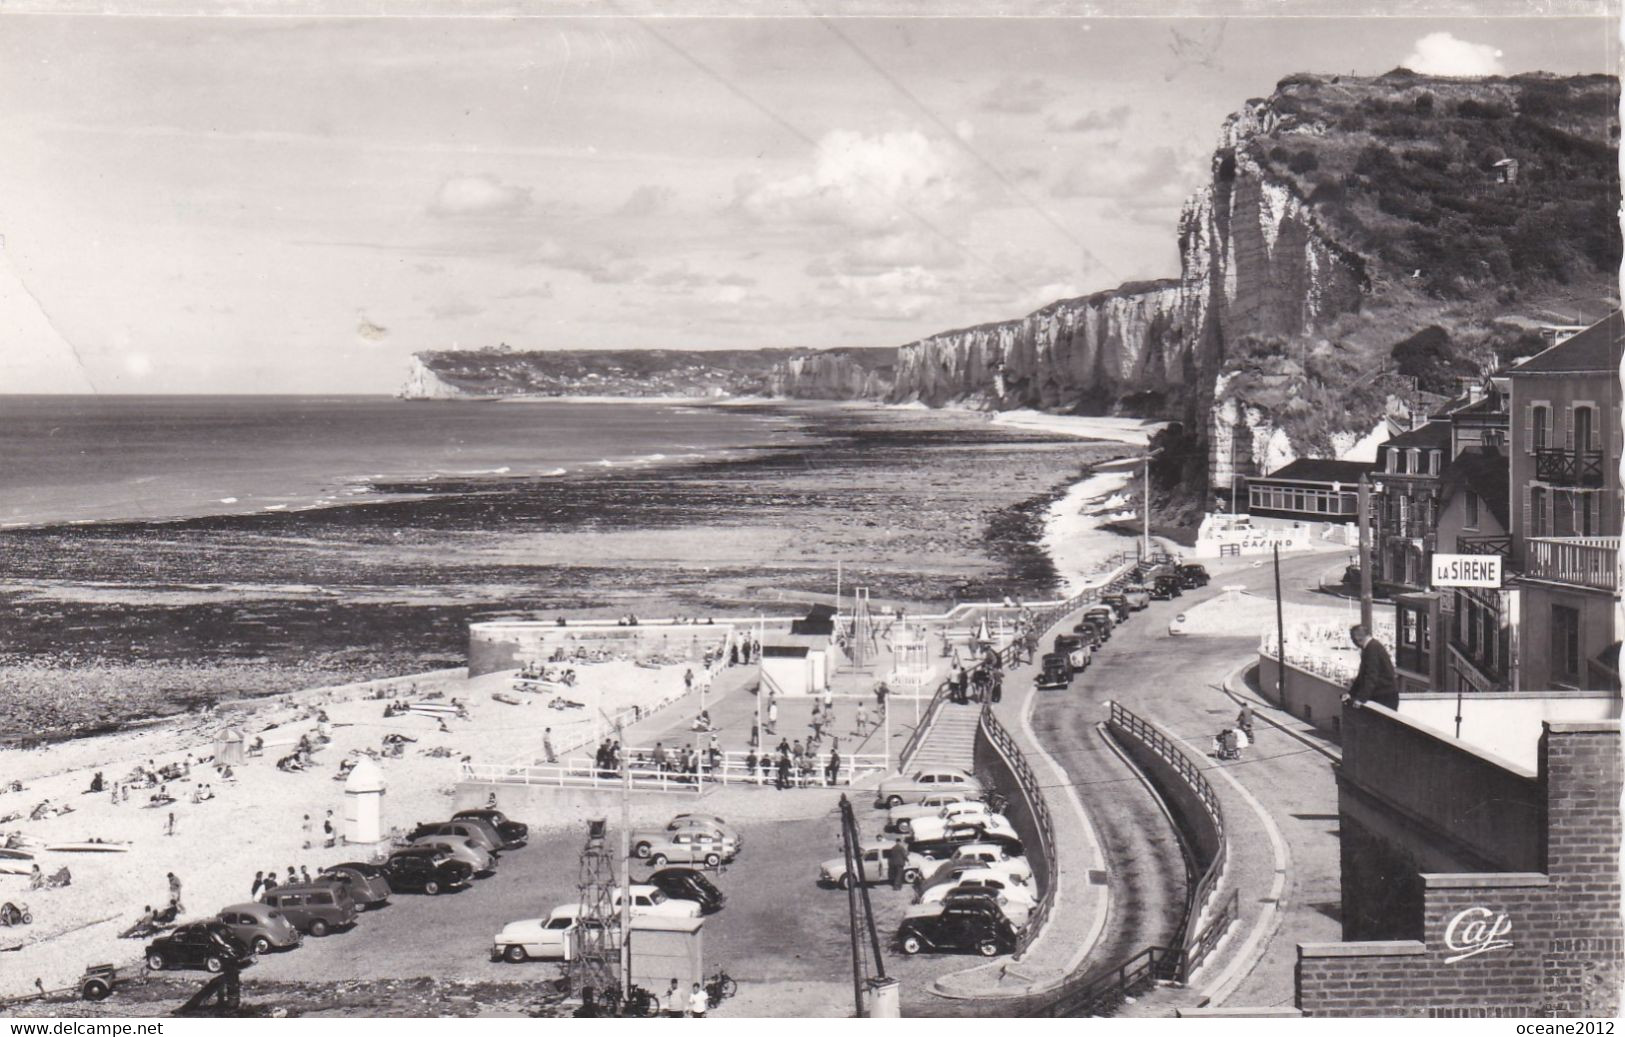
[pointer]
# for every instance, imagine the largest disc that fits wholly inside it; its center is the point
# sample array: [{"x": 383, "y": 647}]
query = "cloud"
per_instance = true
[
  {"x": 1112, "y": 171},
  {"x": 1441, "y": 54},
  {"x": 1014, "y": 96},
  {"x": 601, "y": 265},
  {"x": 647, "y": 200},
  {"x": 541, "y": 291},
  {"x": 682, "y": 276},
  {"x": 1091, "y": 121},
  {"x": 455, "y": 310},
  {"x": 878, "y": 254},
  {"x": 479, "y": 195},
  {"x": 858, "y": 181}
]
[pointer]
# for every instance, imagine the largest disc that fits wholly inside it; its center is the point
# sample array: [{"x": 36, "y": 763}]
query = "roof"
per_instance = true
[
  {"x": 813, "y": 626},
  {"x": 821, "y": 612},
  {"x": 784, "y": 651},
  {"x": 1319, "y": 470},
  {"x": 1433, "y": 434},
  {"x": 1486, "y": 473},
  {"x": 1596, "y": 350}
]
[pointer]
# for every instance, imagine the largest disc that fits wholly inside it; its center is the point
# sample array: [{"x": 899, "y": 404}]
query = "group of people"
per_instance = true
[
  {"x": 151, "y": 921},
  {"x": 265, "y": 881},
  {"x": 792, "y": 765},
  {"x": 329, "y": 832},
  {"x": 983, "y": 683}
]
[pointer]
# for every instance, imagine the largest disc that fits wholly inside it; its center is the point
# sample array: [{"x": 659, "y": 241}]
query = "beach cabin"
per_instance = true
[
  {"x": 789, "y": 670},
  {"x": 664, "y": 949}
]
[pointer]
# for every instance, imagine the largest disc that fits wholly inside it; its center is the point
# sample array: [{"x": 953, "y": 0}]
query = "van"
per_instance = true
[{"x": 314, "y": 907}]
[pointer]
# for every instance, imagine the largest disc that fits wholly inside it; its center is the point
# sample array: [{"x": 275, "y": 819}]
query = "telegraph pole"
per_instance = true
[
  {"x": 1280, "y": 632},
  {"x": 1365, "y": 552},
  {"x": 626, "y": 873},
  {"x": 1145, "y": 537}
]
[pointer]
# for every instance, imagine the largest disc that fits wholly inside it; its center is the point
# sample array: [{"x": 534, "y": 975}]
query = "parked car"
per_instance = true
[
  {"x": 685, "y": 846},
  {"x": 483, "y": 861},
  {"x": 1137, "y": 595},
  {"x": 928, "y": 806},
  {"x": 901, "y": 788},
  {"x": 999, "y": 884},
  {"x": 1193, "y": 574},
  {"x": 368, "y": 885},
  {"x": 712, "y": 821},
  {"x": 1104, "y": 614},
  {"x": 876, "y": 866},
  {"x": 933, "y": 827},
  {"x": 650, "y": 900},
  {"x": 514, "y": 833},
  {"x": 990, "y": 855},
  {"x": 550, "y": 938},
  {"x": 316, "y": 908},
  {"x": 1165, "y": 588},
  {"x": 426, "y": 869},
  {"x": 1054, "y": 672},
  {"x": 261, "y": 926},
  {"x": 477, "y": 833},
  {"x": 1118, "y": 602},
  {"x": 960, "y": 927},
  {"x": 1017, "y": 913},
  {"x": 966, "y": 812},
  {"x": 1077, "y": 653},
  {"x": 210, "y": 946},
  {"x": 689, "y": 884},
  {"x": 953, "y": 838}
]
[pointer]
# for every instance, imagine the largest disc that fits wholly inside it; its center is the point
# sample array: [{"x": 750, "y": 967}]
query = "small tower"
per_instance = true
[{"x": 364, "y": 803}]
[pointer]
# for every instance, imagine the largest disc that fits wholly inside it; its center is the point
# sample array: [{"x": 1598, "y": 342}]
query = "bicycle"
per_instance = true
[{"x": 719, "y": 987}]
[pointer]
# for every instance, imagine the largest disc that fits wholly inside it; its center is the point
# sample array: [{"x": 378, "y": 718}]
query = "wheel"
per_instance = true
[
  {"x": 213, "y": 963},
  {"x": 912, "y": 945},
  {"x": 262, "y": 945},
  {"x": 894, "y": 800},
  {"x": 155, "y": 961},
  {"x": 712, "y": 860},
  {"x": 911, "y": 875},
  {"x": 658, "y": 860},
  {"x": 95, "y": 990},
  {"x": 515, "y": 954},
  {"x": 729, "y": 987},
  {"x": 846, "y": 881},
  {"x": 431, "y": 888},
  {"x": 905, "y": 827},
  {"x": 642, "y": 849},
  {"x": 318, "y": 927},
  {"x": 28, "y": 917},
  {"x": 987, "y": 948}
]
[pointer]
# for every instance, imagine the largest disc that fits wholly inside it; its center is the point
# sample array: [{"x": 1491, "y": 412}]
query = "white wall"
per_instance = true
[{"x": 1507, "y": 724}]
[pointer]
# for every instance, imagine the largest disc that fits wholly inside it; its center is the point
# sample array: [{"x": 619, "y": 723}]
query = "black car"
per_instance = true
[
  {"x": 210, "y": 946},
  {"x": 1193, "y": 575},
  {"x": 1055, "y": 672},
  {"x": 955, "y": 836},
  {"x": 688, "y": 884},
  {"x": 514, "y": 833},
  {"x": 1166, "y": 588},
  {"x": 1119, "y": 603},
  {"x": 1100, "y": 624},
  {"x": 426, "y": 870},
  {"x": 1071, "y": 648},
  {"x": 959, "y": 927}
]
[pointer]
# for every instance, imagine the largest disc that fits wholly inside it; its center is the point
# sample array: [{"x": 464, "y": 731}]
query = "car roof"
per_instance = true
[
  {"x": 246, "y": 907},
  {"x": 307, "y": 887}
]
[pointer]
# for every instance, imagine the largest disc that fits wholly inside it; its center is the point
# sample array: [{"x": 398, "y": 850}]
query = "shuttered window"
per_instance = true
[
  {"x": 1528, "y": 514},
  {"x": 1568, "y": 427},
  {"x": 1619, "y": 434},
  {"x": 1528, "y": 428}
]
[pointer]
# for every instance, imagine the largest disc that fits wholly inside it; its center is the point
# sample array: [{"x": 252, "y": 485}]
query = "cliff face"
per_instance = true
[
  {"x": 423, "y": 384},
  {"x": 835, "y": 374}
]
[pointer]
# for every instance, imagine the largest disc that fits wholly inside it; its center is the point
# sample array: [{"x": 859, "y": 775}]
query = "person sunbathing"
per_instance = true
[{"x": 143, "y": 926}]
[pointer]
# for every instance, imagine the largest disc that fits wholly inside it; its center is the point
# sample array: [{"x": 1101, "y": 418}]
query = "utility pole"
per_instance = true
[
  {"x": 626, "y": 871},
  {"x": 1145, "y": 538},
  {"x": 854, "y": 862},
  {"x": 1280, "y": 632},
  {"x": 1365, "y": 552}
]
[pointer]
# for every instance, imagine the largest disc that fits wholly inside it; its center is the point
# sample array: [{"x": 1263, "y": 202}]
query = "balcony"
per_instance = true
[
  {"x": 1568, "y": 467},
  {"x": 1484, "y": 545},
  {"x": 1589, "y": 562}
]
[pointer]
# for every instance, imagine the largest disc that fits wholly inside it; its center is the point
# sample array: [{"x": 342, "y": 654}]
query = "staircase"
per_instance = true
[{"x": 951, "y": 740}]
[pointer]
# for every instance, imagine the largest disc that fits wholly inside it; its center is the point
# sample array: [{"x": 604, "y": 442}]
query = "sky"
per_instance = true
[{"x": 297, "y": 204}]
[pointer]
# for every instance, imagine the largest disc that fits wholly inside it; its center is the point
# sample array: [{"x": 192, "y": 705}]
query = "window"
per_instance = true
[
  {"x": 1537, "y": 511},
  {"x": 1433, "y": 462},
  {"x": 1537, "y": 427},
  {"x": 1416, "y": 461},
  {"x": 1471, "y": 505},
  {"x": 1565, "y": 644},
  {"x": 1396, "y": 462},
  {"x": 1585, "y": 430}
]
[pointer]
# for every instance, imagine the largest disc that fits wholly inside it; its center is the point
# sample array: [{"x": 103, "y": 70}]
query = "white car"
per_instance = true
[
  {"x": 551, "y": 938},
  {"x": 994, "y": 857},
  {"x": 649, "y": 900},
  {"x": 899, "y": 789},
  {"x": 1007, "y": 889},
  {"x": 937, "y": 827},
  {"x": 876, "y": 866},
  {"x": 460, "y": 848},
  {"x": 928, "y": 805}
]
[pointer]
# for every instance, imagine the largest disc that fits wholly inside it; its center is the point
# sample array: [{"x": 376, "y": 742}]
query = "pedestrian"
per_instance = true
[
  {"x": 688, "y": 679},
  {"x": 829, "y": 700},
  {"x": 832, "y": 773},
  {"x": 270, "y": 880},
  {"x": 881, "y": 691},
  {"x": 698, "y": 1002},
  {"x": 750, "y": 765},
  {"x": 897, "y": 862},
  {"x": 773, "y": 716},
  {"x": 863, "y": 720},
  {"x": 755, "y": 735},
  {"x": 175, "y": 893},
  {"x": 733, "y": 655},
  {"x": 304, "y": 826},
  {"x": 1375, "y": 682},
  {"x": 674, "y": 1000},
  {"x": 547, "y": 745},
  {"x": 293, "y": 876},
  {"x": 784, "y": 771},
  {"x": 996, "y": 689},
  {"x": 329, "y": 837},
  {"x": 304, "y": 874},
  {"x": 1244, "y": 719},
  {"x": 169, "y": 826},
  {"x": 259, "y": 880}
]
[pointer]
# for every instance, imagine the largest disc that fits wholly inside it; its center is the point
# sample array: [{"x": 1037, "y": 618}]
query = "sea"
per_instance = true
[{"x": 86, "y": 459}]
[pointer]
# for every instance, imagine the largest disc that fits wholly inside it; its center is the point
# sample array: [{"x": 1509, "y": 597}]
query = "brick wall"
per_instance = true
[{"x": 1503, "y": 943}]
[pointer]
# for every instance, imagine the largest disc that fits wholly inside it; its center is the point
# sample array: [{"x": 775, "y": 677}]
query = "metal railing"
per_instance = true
[
  {"x": 1561, "y": 467},
  {"x": 906, "y": 756},
  {"x": 580, "y": 772},
  {"x": 1580, "y": 561},
  {"x": 1105, "y": 991},
  {"x": 1033, "y": 793},
  {"x": 1484, "y": 545}
]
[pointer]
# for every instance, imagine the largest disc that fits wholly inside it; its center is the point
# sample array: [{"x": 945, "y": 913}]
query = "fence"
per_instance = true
[
  {"x": 1103, "y": 992},
  {"x": 580, "y": 772},
  {"x": 1033, "y": 793}
]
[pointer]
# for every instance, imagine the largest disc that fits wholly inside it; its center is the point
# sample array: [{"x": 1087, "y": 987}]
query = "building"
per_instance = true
[
  {"x": 1474, "y": 519},
  {"x": 1565, "y": 445},
  {"x": 1307, "y": 490},
  {"x": 1405, "y": 504},
  {"x": 1479, "y": 851}
]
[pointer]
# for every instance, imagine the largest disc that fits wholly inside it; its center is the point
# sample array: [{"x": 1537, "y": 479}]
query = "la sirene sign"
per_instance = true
[{"x": 1466, "y": 570}]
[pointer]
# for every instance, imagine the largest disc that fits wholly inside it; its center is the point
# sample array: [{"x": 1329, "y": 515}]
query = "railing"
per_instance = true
[
  {"x": 1561, "y": 467},
  {"x": 1580, "y": 561},
  {"x": 1484, "y": 545},
  {"x": 1033, "y": 793},
  {"x": 1102, "y": 993},
  {"x": 915, "y": 737},
  {"x": 1197, "y": 936},
  {"x": 579, "y": 772}
]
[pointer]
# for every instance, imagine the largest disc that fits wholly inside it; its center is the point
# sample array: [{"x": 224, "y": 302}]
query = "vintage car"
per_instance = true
[
  {"x": 646, "y": 841},
  {"x": 460, "y": 848},
  {"x": 426, "y": 869},
  {"x": 369, "y": 887},
  {"x": 478, "y": 833},
  {"x": 976, "y": 875},
  {"x": 210, "y": 946},
  {"x": 956, "y": 836},
  {"x": 901, "y": 788},
  {"x": 969, "y": 924},
  {"x": 876, "y": 866},
  {"x": 316, "y": 907},
  {"x": 1078, "y": 653},
  {"x": 928, "y": 805},
  {"x": 710, "y": 821},
  {"x": 928, "y": 826},
  {"x": 551, "y": 938},
  {"x": 1193, "y": 575},
  {"x": 989, "y": 855},
  {"x": 1054, "y": 672},
  {"x": 1166, "y": 587},
  {"x": 1118, "y": 601},
  {"x": 689, "y": 884},
  {"x": 684, "y": 846},
  {"x": 1137, "y": 595},
  {"x": 651, "y": 900},
  {"x": 514, "y": 833},
  {"x": 260, "y": 926},
  {"x": 1104, "y": 613}
]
